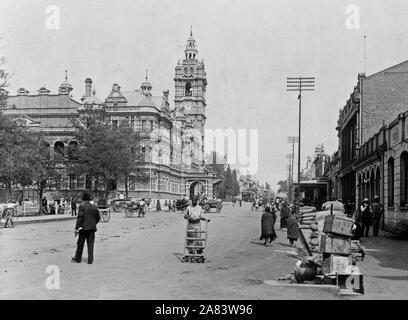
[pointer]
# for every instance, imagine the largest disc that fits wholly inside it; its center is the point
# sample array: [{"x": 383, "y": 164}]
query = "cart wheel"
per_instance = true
[
  {"x": 129, "y": 212},
  {"x": 207, "y": 208},
  {"x": 116, "y": 208}
]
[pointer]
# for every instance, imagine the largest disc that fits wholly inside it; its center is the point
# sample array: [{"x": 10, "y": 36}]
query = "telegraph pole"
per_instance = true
[
  {"x": 292, "y": 140},
  {"x": 300, "y": 84},
  {"x": 289, "y": 156}
]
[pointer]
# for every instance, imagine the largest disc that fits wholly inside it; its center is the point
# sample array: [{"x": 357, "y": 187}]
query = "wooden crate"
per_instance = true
[
  {"x": 334, "y": 264},
  {"x": 335, "y": 244},
  {"x": 336, "y": 224}
]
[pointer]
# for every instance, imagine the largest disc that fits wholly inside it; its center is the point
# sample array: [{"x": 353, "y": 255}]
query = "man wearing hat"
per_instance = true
[
  {"x": 88, "y": 218},
  {"x": 365, "y": 218},
  {"x": 377, "y": 211}
]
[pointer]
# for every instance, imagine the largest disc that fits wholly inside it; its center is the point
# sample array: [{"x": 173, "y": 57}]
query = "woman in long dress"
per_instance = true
[
  {"x": 292, "y": 229},
  {"x": 268, "y": 226},
  {"x": 284, "y": 214}
]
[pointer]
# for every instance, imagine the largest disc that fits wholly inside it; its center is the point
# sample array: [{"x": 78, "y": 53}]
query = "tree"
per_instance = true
[
  {"x": 283, "y": 186},
  {"x": 4, "y": 81},
  {"x": 104, "y": 153},
  {"x": 235, "y": 184},
  {"x": 228, "y": 183}
]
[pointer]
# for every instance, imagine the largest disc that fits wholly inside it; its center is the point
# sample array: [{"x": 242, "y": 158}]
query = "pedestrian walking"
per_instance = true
[
  {"x": 73, "y": 207},
  {"x": 284, "y": 215},
  {"x": 268, "y": 220},
  {"x": 88, "y": 218},
  {"x": 365, "y": 218},
  {"x": 44, "y": 206},
  {"x": 292, "y": 229},
  {"x": 377, "y": 210}
]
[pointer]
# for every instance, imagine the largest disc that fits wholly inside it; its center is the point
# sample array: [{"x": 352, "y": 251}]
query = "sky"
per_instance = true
[{"x": 248, "y": 47}]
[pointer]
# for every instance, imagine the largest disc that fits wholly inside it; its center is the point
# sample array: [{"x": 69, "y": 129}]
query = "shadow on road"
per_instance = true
[{"x": 389, "y": 252}]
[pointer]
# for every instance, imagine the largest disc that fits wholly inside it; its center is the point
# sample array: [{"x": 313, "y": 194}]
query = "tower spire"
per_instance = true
[
  {"x": 191, "y": 31},
  {"x": 147, "y": 78},
  {"x": 66, "y": 75}
]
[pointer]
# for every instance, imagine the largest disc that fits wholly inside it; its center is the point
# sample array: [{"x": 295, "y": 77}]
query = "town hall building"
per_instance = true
[{"x": 172, "y": 137}]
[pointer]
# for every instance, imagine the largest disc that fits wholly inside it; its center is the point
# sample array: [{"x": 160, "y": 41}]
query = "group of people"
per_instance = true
[
  {"x": 59, "y": 206},
  {"x": 288, "y": 221},
  {"x": 368, "y": 215}
]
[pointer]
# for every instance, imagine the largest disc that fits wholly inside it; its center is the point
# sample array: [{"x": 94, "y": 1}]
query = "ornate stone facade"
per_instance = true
[{"x": 172, "y": 138}]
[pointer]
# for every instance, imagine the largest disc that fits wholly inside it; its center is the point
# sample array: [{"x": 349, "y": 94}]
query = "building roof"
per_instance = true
[
  {"x": 52, "y": 101},
  {"x": 137, "y": 98}
]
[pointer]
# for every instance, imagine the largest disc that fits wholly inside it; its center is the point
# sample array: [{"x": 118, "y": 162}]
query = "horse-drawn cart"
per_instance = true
[{"x": 207, "y": 205}]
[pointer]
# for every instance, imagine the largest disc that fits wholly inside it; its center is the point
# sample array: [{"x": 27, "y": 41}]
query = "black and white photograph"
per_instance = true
[{"x": 191, "y": 150}]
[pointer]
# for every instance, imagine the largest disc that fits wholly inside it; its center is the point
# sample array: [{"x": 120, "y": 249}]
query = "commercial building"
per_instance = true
[{"x": 375, "y": 101}]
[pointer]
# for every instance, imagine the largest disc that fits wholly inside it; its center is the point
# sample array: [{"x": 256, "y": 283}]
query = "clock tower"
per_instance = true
[{"x": 190, "y": 87}]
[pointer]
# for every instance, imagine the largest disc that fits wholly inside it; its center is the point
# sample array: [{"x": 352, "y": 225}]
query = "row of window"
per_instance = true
[
  {"x": 147, "y": 125},
  {"x": 403, "y": 180},
  {"x": 165, "y": 185}
]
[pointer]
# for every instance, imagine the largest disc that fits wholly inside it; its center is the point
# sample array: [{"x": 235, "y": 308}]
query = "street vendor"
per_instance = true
[{"x": 194, "y": 216}]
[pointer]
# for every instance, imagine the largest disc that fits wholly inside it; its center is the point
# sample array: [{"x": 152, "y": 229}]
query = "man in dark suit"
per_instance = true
[{"x": 88, "y": 218}]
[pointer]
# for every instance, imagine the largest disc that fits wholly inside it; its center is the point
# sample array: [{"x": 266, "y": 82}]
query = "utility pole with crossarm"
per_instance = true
[{"x": 300, "y": 84}]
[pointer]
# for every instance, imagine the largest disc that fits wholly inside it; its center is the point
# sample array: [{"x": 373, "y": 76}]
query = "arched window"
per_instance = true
[
  {"x": 390, "y": 182},
  {"x": 191, "y": 70},
  {"x": 378, "y": 183},
  {"x": 372, "y": 185},
  {"x": 185, "y": 70},
  {"x": 188, "y": 89},
  {"x": 404, "y": 178},
  {"x": 59, "y": 150}
]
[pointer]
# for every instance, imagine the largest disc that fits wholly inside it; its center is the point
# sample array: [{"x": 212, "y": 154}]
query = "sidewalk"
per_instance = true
[
  {"x": 41, "y": 219},
  {"x": 385, "y": 267}
]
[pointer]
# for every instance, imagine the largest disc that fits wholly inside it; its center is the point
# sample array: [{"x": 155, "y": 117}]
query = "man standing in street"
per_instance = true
[
  {"x": 365, "y": 218},
  {"x": 377, "y": 211},
  {"x": 88, "y": 218}
]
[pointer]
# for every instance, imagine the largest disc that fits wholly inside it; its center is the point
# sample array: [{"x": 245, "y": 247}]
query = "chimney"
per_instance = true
[{"x": 88, "y": 87}]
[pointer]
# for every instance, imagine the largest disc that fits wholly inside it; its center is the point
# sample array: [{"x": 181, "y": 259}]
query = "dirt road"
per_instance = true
[{"x": 139, "y": 258}]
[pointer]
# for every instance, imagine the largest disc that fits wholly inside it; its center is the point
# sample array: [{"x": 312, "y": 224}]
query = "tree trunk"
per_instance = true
[
  {"x": 40, "y": 193},
  {"x": 126, "y": 187}
]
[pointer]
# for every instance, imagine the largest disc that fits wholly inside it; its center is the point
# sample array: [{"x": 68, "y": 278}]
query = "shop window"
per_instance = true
[
  {"x": 390, "y": 182},
  {"x": 404, "y": 179}
]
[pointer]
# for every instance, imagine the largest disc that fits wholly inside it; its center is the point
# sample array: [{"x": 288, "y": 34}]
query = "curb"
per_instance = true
[{"x": 18, "y": 222}]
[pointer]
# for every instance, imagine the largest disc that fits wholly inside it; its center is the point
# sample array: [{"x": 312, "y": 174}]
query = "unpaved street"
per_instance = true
[{"x": 140, "y": 259}]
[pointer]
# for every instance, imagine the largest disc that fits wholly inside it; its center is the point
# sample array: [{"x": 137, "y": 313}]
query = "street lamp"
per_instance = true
[{"x": 300, "y": 84}]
